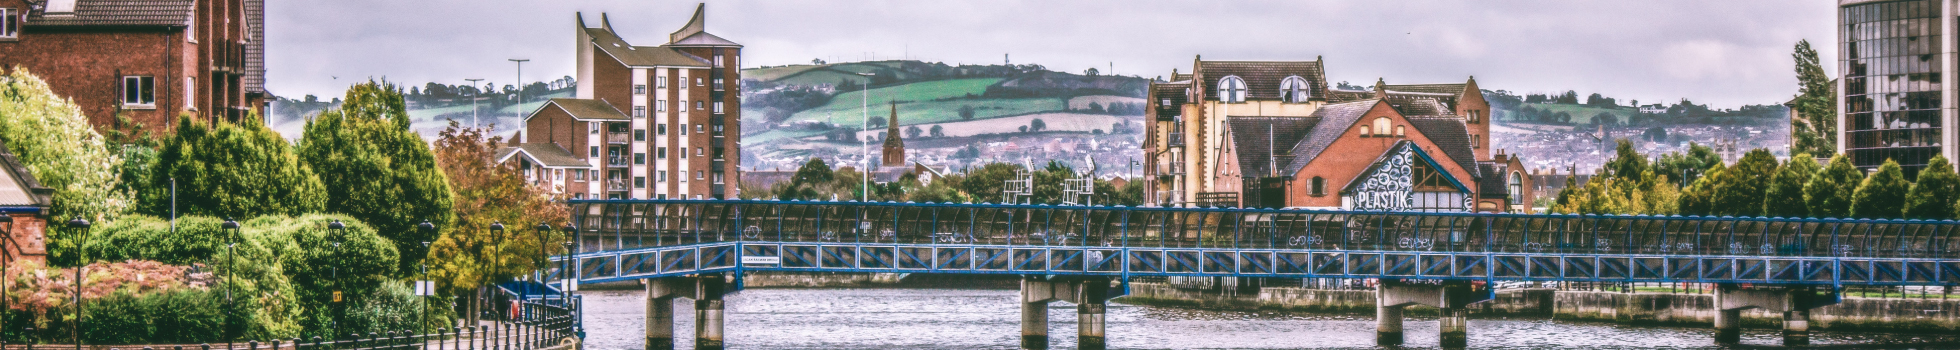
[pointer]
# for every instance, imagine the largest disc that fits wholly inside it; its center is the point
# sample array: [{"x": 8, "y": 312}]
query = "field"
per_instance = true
[
  {"x": 1082, "y": 102},
  {"x": 1067, "y": 122},
  {"x": 926, "y": 102},
  {"x": 1581, "y": 114}
]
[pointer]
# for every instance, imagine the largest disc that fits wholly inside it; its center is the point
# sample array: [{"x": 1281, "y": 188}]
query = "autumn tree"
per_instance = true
[
  {"x": 468, "y": 253},
  {"x": 377, "y": 169}
]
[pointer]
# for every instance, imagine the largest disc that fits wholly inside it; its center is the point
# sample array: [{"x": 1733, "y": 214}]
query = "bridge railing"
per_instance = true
[{"x": 609, "y": 225}]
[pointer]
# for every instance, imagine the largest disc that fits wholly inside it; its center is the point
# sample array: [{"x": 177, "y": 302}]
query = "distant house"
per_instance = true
[
  {"x": 24, "y": 213},
  {"x": 147, "y": 59}
]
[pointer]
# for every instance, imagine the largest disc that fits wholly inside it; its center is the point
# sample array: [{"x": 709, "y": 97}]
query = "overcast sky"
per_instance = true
[{"x": 1728, "y": 53}]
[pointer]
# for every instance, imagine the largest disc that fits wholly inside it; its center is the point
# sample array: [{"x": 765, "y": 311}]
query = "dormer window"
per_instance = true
[
  {"x": 61, "y": 8},
  {"x": 1231, "y": 89},
  {"x": 1294, "y": 89}
]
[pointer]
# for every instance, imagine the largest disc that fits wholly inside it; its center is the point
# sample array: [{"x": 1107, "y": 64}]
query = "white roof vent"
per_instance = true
[{"x": 61, "y": 7}]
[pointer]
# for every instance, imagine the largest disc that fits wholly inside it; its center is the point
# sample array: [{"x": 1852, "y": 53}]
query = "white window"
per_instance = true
[
  {"x": 718, "y": 177},
  {"x": 1165, "y": 103},
  {"x": 663, "y": 176},
  {"x": 697, "y": 128},
  {"x": 1294, "y": 89},
  {"x": 639, "y": 111},
  {"x": 699, "y": 175},
  {"x": 697, "y": 82},
  {"x": 697, "y": 151},
  {"x": 717, "y": 107},
  {"x": 1382, "y": 125},
  {"x": 660, "y": 82},
  {"x": 578, "y": 174},
  {"x": 1231, "y": 89},
  {"x": 140, "y": 91},
  {"x": 718, "y": 60},
  {"x": 683, "y": 106},
  {"x": 640, "y": 89},
  {"x": 699, "y": 106},
  {"x": 190, "y": 91},
  {"x": 9, "y": 23},
  {"x": 660, "y": 106},
  {"x": 717, "y": 84},
  {"x": 592, "y": 128}
]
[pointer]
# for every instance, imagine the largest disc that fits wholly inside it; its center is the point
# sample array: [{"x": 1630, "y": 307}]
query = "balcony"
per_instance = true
[
  {"x": 616, "y": 185},
  {"x": 617, "y": 162},
  {"x": 618, "y": 137}
]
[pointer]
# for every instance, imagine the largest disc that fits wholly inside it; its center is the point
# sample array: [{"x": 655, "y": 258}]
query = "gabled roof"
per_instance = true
[
  {"x": 583, "y": 109},
  {"x": 1334, "y": 121},
  {"x": 1262, "y": 78},
  {"x": 1492, "y": 185},
  {"x": 18, "y": 189},
  {"x": 1420, "y": 156},
  {"x": 1449, "y": 134},
  {"x": 1173, "y": 91},
  {"x": 549, "y": 155},
  {"x": 1451, "y": 89},
  {"x": 117, "y": 13},
  {"x": 1412, "y": 107},
  {"x": 641, "y": 56},
  {"x": 1255, "y": 149}
]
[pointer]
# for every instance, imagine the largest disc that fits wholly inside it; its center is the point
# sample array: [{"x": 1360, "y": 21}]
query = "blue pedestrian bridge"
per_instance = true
[{"x": 642, "y": 239}]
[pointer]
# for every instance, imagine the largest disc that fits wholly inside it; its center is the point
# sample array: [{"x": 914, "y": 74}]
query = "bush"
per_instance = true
[{"x": 358, "y": 267}]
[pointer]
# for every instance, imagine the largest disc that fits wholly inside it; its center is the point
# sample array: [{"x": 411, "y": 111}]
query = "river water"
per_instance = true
[{"x": 990, "y": 319}]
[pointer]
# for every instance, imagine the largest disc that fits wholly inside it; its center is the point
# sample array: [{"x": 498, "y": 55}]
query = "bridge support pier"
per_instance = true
[
  {"x": 1794, "y": 302},
  {"x": 1090, "y": 295},
  {"x": 707, "y": 292},
  {"x": 1450, "y": 296}
]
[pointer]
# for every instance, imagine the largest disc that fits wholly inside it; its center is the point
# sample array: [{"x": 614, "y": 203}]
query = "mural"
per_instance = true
[{"x": 1391, "y": 187}]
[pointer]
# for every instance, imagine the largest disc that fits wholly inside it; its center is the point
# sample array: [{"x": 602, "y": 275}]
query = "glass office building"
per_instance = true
[{"x": 1893, "y": 95}]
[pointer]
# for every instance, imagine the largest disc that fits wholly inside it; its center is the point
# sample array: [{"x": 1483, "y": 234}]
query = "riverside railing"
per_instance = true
[
  {"x": 606, "y": 225},
  {"x": 535, "y": 325}
]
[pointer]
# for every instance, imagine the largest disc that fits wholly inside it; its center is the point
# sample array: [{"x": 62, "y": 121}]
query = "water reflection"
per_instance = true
[{"x": 990, "y": 319}]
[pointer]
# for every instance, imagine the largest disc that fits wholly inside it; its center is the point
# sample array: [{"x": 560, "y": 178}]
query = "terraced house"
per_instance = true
[
  {"x": 148, "y": 60},
  {"x": 647, "y": 122},
  {"x": 1274, "y": 134}
]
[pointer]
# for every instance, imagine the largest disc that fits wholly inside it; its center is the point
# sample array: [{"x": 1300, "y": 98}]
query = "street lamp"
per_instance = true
[
  {"x": 82, "y": 260},
  {"x": 338, "y": 229},
  {"x": 231, "y": 262},
  {"x": 565, "y": 266},
  {"x": 473, "y": 110},
  {"x": 430, "y": 228},
  {"x": 520, "y": 82},
  {"x": 496, "y": 238},
  {"x": 865, "y": 142}
]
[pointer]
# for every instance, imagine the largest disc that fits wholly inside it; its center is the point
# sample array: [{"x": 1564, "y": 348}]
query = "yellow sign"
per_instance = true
[{"x": 336, "y": 296}]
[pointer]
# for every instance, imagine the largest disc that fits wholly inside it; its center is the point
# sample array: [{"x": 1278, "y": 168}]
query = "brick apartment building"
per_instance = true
[
  {"x": 150, "y": 59},
  {"x": 1274, "y": 134},
  {"x": 648, "y": 122}
]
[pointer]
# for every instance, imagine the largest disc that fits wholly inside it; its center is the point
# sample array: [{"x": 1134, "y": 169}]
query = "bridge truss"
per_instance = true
[{"x": 636, "y": 239}]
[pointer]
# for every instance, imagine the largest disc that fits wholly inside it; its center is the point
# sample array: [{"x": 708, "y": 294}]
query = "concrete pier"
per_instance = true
[
  {"x": 1796, "y": 328},
  {"x": 1794, "y": 302},
  {"x": 708, "y": 307},
  {"x": 707, "y": 292},
  {"x": 1388, "y": 325},
  {"x": 1034, "y": 325},
  {"x": 1455, "y": 325},
  {"x": 1090, "y": 312},
  {"x": 1090, "y": 295},
  {"x": 660, "y": 310},
  {"x": 1728, "y": 327},
  {"x": 1451, "y": 296}
]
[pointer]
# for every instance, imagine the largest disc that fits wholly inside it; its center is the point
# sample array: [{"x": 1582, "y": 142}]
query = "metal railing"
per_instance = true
[{"x": 533, "y": 325}]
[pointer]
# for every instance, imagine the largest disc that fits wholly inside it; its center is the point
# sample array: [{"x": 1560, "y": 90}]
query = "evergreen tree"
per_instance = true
[
  {"x": 1814, "y": 128},
  {"x": 1787, "y": 184},
  {"x": 1933, "y": 193},
  {"x": 1740, "y": 191},
  {"x": 1626, "y": 161},
  {"x": 1699, "y": 198},
  {"x": 1828, "y": 194},
  {"x": 1882, "y": 195},
  {"x": 378, "y": 170},
  {"x": 230, "y": 170}
]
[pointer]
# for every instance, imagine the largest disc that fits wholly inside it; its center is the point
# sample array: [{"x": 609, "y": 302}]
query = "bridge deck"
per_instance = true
[{"x": 653, "y": 238}]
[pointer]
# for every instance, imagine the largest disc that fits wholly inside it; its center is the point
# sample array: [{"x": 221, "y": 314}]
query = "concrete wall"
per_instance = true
[
  {"x": 817, "y": 280},
  {"x": 1524, "y": 302}
]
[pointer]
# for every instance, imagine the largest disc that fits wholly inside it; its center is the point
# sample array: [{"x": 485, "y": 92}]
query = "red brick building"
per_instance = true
[
  {"x": 1274, "y": 134},
  {"x": 148, "y": 59},
  {"x": 647, "y": 121},
  {"x": 24, "y": 207}
]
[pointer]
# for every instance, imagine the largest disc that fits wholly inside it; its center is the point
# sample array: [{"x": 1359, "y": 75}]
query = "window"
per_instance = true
[
  {"x": 699, "y": 175},
  {"x": 717, "y": 107},
  {"x": 683, "y": 152},
  {"x": 683, "y": 128},
  {"x": 639, "y": 89},
  {"x": 190, "y": 90},
  {"x": 1517, "y": 188},
  {"x": 697, "y": 82},
  {"x": 639, "y": 111},
  {"x": 639, "y": 134},
  {"x": 578, "y": 196},
  {"x": 594, "y": 152},
  {"x": 718, "y": 152},
  {"x": 718, "y": 178},
  {"x": 718, "y": 60},
  {"x": 660, "y": 106},
  {"x": 697, "y": 128},
  {"x": 9, "y": 23},
  {"x": 639, "y": 158},
  {"x": 1475, "y": 141},
  {"x": 697, "y": 151},
  {"x": 139, "y": 91},
  {"x": 1294, "y": 89},
  {"x": 639, "y": 182},
  {"x": 1364, "y": 131},
  {"x": 1399, "y": 131},
  {"x": 1231, "y": 89},
  {"x": 683, "y": 105},
  {"x": 717, "y": 129},
  {"x": 663, "y": 176},
  {"x": 699, "y": 106},
  {"x": 662, "y": 153},
  {"x": 1165, "y": 103},
  {"x": 1318, "y": 186},
  {"x": 717, "y": 84},
  {"x": 1381, "y": 125},
  {"x": 660, "y": 82},
  {"x": 592, "y": 128},
  {"x": 1475, "y": 116},
  {"x": 578, "y": 174},
  {"x": 663, "y": 129},
  {"x": 683, "y": 176}
]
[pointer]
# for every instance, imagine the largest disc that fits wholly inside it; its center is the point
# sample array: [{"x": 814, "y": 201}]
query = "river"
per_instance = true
[{"x": 990, "y": 319}]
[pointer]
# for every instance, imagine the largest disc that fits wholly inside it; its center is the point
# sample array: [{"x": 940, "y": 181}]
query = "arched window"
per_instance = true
[
  {"x": 1399, "y": 132},
  {"x": 1381, "y": 125},
  {"x": 1231, "y": 89},
  {"x": 1294, "y": 89},
  {"x": 1364, "y": 131},
  {"x": 1319, "y": 186},
  {"x": 1517, "y": 188}
]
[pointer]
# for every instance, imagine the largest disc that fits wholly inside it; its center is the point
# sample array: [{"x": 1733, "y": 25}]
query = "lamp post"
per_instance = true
[
  {"x": 496, "y": 257},
  {"x": 565, "y": 267},
  {"x": 231, "y": 262},
  {"x": 520, "y": 82},
  {"x": 338, "y": 229},
  {"x": 82, "y": 259},
  {"x": 865, "y": 142},
  {"x": 473, "y": 110}
]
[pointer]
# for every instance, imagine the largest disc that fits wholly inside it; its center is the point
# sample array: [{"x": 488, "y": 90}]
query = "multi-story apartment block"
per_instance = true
[
  {"x": 147, "y": 59},
  {"x": 1894, "y": 101},
  {"x": 1274, "y": 134},
  {"x": 648, "y": 122}
]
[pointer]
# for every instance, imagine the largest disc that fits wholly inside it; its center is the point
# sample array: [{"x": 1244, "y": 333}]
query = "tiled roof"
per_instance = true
[
  {"x": 1449, "y": 134},
  {"x": 585, "y": 109},
  {"x": 704, "y": 39},
  {"x": 1334, "y": 120},
  {"x": 1491, "y": 185},
  {"x": 1450, "y": 89},
  {"x": 641, "y": 56},
  {"x": 255, "y": 47},
  {"x": 17, "y": 186},
  {"x": 549, "y": 155},
  {"x": 1249, "y": 137},
  {"x": 1262, "y": 78},
  {"x": 1172, "y": 90},
  {"x": 118, "y": 13},
  {"x": 1420, "y": 107}
]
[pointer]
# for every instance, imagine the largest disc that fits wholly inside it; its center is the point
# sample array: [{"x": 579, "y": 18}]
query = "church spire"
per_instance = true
[{"x": 894, "y": 143}]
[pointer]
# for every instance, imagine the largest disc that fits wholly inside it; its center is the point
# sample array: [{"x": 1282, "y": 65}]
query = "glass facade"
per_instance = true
[{"x": 1891, "y": 65}]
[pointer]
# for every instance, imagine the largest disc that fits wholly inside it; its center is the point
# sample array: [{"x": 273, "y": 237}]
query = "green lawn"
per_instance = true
[
  {"x": 432, "y": 113},
  {"x": 527, "y": 107},
  {"x": 932, "y": 111},
  {"x": 773, "y": 73}
]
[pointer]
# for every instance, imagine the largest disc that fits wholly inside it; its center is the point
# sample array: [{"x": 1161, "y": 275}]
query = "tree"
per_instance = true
[
  {"x": 938, "y": 131},
  {"x": 1626, "y": 161},
  {"x": 378, "y": 170},
  {"x": 1933, "y": 193},
  {"x": 50, "y": 137},
  {"x": 1091, "y": 72},
  {"x": 230, "y": 170},
  {"x": 1788, "y": 183},
  {"x": 1882, "y": 195},
  {"x": 966, "y": 112},
  {"x": 1740, "y": 190},
  {"x": 468, "y": 253},
  {"x": 915, "y": 131},
  {"x": 1037, "y": 125},
  {"x": 985, "y": 183},
  {"x": 1814, "y": 129},
  {"x": 1699, "y": 198},
  {"x": 1828, "y": 194}
]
